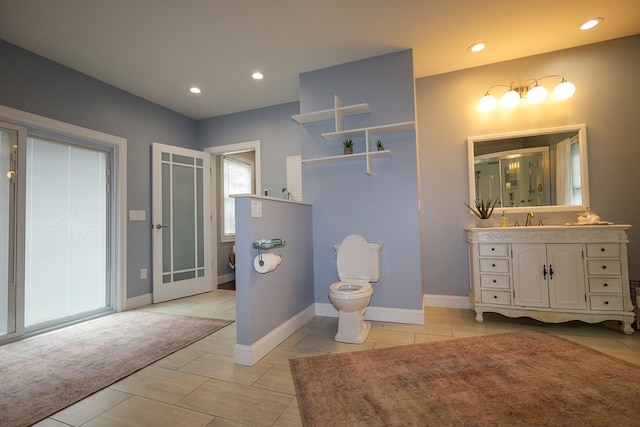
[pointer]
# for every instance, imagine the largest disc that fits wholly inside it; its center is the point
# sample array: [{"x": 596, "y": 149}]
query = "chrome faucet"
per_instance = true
[{"x": 529, "y": 217}]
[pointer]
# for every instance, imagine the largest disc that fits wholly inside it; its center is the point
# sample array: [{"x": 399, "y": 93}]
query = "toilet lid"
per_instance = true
[{"x": 354, "y": 259}]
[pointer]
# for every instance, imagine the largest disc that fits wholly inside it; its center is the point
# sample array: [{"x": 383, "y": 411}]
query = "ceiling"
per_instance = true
[{"x": 158, "y": 49}]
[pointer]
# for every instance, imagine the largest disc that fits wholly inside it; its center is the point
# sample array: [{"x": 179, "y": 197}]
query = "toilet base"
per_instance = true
[{"x": 351, "y": 328}]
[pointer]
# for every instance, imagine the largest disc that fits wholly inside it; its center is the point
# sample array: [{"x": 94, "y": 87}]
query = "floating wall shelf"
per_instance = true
[{"x": 338, "y": 113}]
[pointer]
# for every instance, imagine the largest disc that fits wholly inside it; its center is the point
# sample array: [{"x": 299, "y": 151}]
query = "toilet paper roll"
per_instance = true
[{"x": 268, "y": 264}]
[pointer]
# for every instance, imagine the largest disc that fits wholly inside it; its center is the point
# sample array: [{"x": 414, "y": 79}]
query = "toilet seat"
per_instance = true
[{"x": 350, "y": 289}]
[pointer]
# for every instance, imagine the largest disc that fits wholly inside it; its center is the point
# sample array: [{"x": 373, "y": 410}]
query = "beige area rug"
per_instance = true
[
  {"x": 516, "y": 379},
  {"x": 41, "y": 375}
]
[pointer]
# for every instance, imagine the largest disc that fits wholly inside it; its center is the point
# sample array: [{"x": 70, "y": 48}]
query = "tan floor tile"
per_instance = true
[
  {"x": 237, "y": 402},
  {"x": 178, "y": 359},
  {"x": 391, "y": 337},
  {"x": 223, "y": 368},
  {"x": 223, "y": 422},
  {"x": 160, "y": 384},
  {"x": 330, "y": 345},
  {"x": 277, "y": 378},
  {"x": 290, "y": 417},
  {"x": 281, "y": 354},
  {"x": 48, "y": 422},
  {"x": 139, "y": 412},
  {"x": 91, "y": 407},
  {"x": 215, "y": 344}
]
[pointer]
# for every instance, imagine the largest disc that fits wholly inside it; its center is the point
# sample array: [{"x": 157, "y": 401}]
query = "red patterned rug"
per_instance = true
[{"x": 515, "y": 379}]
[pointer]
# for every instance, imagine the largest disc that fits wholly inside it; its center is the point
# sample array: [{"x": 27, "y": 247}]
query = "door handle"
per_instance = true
[
  {"x": 159, "y": 226},
  {"x": 550, "y": 271},
  {"x": 544, "y": 271}
]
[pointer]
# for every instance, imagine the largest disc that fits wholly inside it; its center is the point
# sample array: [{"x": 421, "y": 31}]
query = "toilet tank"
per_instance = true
[{"x": 375, "y": 249}]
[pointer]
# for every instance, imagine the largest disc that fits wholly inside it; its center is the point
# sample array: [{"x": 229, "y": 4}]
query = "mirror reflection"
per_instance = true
[{"x": 537, "y": 168}]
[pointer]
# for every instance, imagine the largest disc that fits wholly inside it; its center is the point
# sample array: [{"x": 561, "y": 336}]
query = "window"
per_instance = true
[
  {"x": 237, "y": 179},
  {"x": 576, "y": 180}
]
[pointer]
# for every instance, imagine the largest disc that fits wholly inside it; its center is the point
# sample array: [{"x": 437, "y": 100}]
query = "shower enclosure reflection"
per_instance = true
[{"x": 537, "y": 168}]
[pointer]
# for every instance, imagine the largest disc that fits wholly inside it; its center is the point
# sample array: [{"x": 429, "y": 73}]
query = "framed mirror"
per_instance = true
[{"x": 539, "y": 170}]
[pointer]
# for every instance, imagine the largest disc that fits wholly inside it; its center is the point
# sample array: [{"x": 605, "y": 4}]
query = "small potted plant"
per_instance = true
[
  {"x": 348, "y": 146},
  {"x": 379, "y": 145},
  {"x": 483, "y": 211}
]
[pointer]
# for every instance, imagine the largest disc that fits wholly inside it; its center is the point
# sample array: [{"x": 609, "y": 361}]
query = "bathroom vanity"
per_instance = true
[{"x": 551, "y": 273}]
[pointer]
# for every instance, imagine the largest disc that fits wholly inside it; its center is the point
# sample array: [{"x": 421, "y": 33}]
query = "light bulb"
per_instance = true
[
  {"x": 564, "y": 90},
  {"x": 510, "y": 99},
  {"x": 487, "y": 103},
  {"x": 537, "y": 94}
]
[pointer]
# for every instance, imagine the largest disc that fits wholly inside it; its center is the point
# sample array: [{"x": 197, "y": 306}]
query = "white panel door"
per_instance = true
[{"x": 181, "y": 222}]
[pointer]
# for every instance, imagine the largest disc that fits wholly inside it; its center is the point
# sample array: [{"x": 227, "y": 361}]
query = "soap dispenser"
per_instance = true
[{"x": 504, "y": 221}]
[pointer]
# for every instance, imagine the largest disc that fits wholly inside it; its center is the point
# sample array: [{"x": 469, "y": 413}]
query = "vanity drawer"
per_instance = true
[
  {"x": 603, "y": 250},
  {"x": 603, "y": 267},
  {"x": 494, "y": 265},
  {"x": 498, "y": 249},
  {"x": 496, "y": 297},
  {"x": 494, "y": 281},
  {"x": 604, "y": 285},
  {"x": 606, "y": 302}
]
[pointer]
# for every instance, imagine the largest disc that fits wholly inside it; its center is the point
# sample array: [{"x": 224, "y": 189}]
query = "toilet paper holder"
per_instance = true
[{"x": 263, "y": 244}]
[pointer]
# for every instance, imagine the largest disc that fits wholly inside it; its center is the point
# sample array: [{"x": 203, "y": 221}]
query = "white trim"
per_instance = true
[
  {"x": 139, "y": 301},
  {"x": 378, "y": 314},
  {"x": 250, "y": 354},
  {"x": 226, "y": 278},
  {"x": 119, "y": 145},
  {"x": 447, "y": 301},
  {"x": 240, "y": 147}
]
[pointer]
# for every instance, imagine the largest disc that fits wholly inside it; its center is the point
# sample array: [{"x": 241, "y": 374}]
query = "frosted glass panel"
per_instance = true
[
  {"x": 66, "y": 231},
  {"x": 184, "y": 226},
  {"x": 182, "y": 215}
]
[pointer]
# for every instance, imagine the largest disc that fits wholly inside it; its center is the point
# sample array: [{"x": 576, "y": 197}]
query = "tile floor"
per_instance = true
[{"x": 201, "y": 386}]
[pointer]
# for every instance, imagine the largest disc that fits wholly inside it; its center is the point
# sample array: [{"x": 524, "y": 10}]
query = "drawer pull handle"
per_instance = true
[
  {"x": 493, "y": 265},
  {"x": 604, "y": 267},
  {"x": 602, "y": 249},
  {"x": 493, "y": 249},
  {"x": 495, "y": 281},
  {"x": 495, "y": 296},
  {"x": 606, "y": 302},
  {"x": 544, "y": 271},
  {"x": 605, "y": 285}
]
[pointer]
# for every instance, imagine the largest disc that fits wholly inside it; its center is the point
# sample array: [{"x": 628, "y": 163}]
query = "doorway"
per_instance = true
[
  {"x": 62, "y": 197},
  {"x": 224, "y": 247}
]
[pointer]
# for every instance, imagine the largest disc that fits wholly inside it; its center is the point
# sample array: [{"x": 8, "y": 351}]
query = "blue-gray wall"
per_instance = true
[
  {"x": 266, "y": 301},
  {"x": 607, "y": 100},
  {"x": 278, "y": 134},
  {"x": 36, "y": 85},
  {"x": 383, "y": 207}
]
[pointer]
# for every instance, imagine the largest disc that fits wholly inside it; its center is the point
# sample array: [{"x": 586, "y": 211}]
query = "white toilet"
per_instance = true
[{"x": 358, "y": 264}]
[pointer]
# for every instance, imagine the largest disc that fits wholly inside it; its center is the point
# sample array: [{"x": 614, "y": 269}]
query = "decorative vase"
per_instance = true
[
  {"x": 380, "y": 148},
  {"x": 348, "y": 150},
  {"x": 484, "y": 223}
]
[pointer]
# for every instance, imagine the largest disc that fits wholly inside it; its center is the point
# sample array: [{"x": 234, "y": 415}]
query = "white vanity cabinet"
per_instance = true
[{"x": 551, "y": 273}]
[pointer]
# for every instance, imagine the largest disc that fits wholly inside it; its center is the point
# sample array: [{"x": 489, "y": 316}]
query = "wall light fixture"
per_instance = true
[{"x": 531, "y": 90}]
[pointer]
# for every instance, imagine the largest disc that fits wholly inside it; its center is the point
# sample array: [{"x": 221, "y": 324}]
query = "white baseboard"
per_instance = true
[
  {"x": 138, "y": 301},
  {"x": 379, "y": 314},
  {"x": 250, "y": 354},
  {"x": 447, "y": 301},
  {"x": 226, "y": 278}
]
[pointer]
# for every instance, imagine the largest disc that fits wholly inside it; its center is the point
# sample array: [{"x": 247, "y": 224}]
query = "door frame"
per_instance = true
[
  {"x": 118, "y": 251},
  {"x": 220, "y": 150}
]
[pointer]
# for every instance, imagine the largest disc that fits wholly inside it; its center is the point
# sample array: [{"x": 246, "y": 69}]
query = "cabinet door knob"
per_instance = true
[
  {"x": 495, "y": 296},
  {"x": 493, "y": 265},
  {"x": 602, "y": 249},
  {"x": 495, "y": 281},
  {"x": 604, "y": 267},
  {"x": 606, "y": 302},
  {"x": 605, "y": 285},
  {"x": 493, "y": 249}
]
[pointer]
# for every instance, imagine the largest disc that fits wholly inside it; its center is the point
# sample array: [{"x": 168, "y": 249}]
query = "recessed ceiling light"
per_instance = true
[
  {"x": 477, "y": 47},
  {"x": 195, "y": 90},
  {"x": 587, "y": 25},
  {"x": 257, "y": 75}
]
